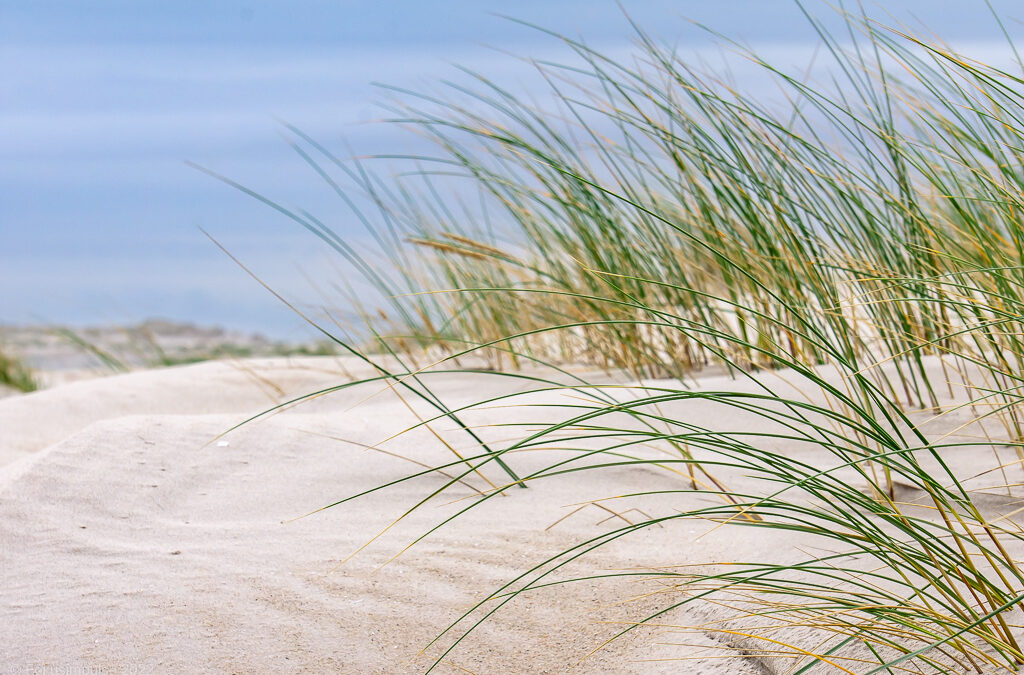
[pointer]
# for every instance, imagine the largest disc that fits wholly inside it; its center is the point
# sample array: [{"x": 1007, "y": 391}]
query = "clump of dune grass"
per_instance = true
[
  {"x": 860, "y": 235},
  {"x": 15, "y": 374}
]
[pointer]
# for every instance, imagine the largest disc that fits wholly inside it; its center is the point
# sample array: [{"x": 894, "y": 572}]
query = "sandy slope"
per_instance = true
[{"x": 129, "y": 543}]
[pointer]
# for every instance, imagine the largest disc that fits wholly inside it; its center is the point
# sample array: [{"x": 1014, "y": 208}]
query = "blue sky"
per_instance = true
[{"x": 101, "y": 104}]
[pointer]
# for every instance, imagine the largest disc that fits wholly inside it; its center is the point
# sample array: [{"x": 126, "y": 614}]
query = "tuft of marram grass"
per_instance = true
[
  {"x": 663, "y": 222},
  {"x": 16, "y": 374}
]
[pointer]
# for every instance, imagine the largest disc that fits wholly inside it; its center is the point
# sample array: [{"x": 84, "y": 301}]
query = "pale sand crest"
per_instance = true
[{"x": 132, "y": 544}]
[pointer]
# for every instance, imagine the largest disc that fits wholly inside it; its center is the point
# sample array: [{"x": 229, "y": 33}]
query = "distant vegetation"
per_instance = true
[{"x": 151, "y": 344}]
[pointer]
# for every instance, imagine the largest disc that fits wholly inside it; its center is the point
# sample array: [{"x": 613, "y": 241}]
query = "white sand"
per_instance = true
[{"x": 130, "y": 545}]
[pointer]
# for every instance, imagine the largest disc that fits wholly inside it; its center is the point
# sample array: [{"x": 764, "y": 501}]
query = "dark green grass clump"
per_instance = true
[{"x": 16, "y": 374}]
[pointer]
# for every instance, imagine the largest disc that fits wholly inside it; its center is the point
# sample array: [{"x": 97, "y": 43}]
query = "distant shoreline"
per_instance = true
[{"x": 55, "y": 348}]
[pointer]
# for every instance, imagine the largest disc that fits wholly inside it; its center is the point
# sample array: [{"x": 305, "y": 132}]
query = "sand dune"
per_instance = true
[{"x": 132, "y": 544}]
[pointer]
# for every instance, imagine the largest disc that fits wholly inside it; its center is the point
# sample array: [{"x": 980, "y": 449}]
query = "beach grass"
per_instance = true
[
  {"x": 15, "y": 374},
  {"x": 860, "y": 235}
]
